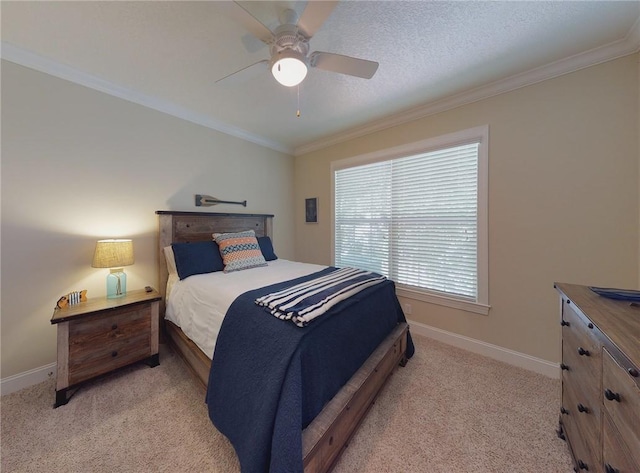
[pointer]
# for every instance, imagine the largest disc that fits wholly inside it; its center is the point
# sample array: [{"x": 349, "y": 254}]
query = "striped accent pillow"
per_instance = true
[{"x": 239, "y": 250}]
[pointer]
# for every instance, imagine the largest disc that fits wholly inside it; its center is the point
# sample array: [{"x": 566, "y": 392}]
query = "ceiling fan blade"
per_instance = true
[
  {"x": 314, "y": 16},
  {"x": 251, "y": 43},
  {"x": 343, "y": 64},
  {"x": 237, "y": 13},
  {"x": 245, "y": 74}
]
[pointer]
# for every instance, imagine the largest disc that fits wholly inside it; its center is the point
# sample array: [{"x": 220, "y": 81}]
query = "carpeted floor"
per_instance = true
[{"x": 447, "y": 411}]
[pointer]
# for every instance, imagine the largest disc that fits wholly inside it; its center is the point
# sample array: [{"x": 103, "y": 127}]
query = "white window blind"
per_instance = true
[{"x": 413, "y": 219}]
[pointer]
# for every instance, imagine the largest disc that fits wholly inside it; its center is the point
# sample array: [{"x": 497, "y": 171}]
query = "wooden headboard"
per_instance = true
[{"x": 180, "y": 227}]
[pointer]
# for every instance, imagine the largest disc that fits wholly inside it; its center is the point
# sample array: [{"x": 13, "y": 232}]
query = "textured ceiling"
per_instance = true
[{"x": 173, "y": 52}]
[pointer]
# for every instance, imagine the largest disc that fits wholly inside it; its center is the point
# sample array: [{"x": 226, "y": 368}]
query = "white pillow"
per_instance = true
[{"x": 171, "y": 261}]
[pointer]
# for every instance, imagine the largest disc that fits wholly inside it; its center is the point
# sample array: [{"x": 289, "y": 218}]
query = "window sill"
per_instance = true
[{"x": 467, "y": 306}]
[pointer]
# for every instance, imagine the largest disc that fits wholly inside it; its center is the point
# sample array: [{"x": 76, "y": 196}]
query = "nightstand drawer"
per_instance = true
[
  {"x": 118, "y": 323},
  {"x": 102, "y": 343}
]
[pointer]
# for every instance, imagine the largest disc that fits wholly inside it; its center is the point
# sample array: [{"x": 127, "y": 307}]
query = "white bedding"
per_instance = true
[{"x": 199, "y": 303}]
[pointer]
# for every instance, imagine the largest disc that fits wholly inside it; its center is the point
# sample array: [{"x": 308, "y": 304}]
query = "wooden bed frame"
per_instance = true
[{"x": 329, "y": 433}]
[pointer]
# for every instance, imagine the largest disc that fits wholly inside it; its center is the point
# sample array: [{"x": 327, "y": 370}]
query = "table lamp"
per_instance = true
[{"x": 114, "y": 254}]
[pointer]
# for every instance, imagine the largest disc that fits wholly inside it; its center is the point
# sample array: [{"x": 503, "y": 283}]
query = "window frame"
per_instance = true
[{"x": 478, "y": 135}]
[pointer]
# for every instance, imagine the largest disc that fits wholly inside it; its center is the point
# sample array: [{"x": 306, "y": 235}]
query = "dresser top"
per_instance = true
[
  {"x": 99, "y": 304},
  {"x": 618, "y": 320}
]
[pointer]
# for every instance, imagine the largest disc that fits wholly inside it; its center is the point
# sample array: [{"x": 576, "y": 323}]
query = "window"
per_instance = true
[{"x": 417, "y": 214}]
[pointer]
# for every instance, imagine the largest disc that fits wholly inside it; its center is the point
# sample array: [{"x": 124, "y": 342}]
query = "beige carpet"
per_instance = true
[{"x": 446, "y": 411}]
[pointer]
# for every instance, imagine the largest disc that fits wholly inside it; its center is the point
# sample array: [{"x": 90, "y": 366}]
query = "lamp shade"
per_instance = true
[
  {"x": 113, "y": 254},
  {"x": 289, "y": 67}
]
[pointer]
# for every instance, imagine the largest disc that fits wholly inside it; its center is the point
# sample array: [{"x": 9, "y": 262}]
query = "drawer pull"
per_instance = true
[
  {"x": 583, "y": 352},
  {"x": 114, "y": 354},
  {"x": 564, "y": 411},
  {"x": 582, "y": 408},
  {"x": 564, "y": 323},
  {"x": 633, "y": 372},
  {"x": 609, "y": 469},
  {"x": 114, "y": 326},
  {"x": 611, "y": 396},
  {"x": 582, "y": 465},
  {"x": 564, "y": 367}
]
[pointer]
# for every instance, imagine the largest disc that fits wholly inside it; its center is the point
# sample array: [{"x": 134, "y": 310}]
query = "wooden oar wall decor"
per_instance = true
[{"x": 208, "y": 201}]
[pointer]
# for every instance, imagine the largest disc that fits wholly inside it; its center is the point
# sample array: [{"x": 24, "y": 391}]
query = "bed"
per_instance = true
[{"x": 326, "y": 433}]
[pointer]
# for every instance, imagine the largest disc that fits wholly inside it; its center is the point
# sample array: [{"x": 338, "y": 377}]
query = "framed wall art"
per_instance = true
[{"x": 311, "y": 210}]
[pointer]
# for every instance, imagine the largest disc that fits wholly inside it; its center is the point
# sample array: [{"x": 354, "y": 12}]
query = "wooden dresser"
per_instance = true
[{"x": 600, "y": 412}]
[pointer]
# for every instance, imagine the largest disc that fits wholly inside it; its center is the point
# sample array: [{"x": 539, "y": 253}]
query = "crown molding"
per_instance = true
[
  {"x": 23, "y": 57},
  {"x": 629, "y": 45}
]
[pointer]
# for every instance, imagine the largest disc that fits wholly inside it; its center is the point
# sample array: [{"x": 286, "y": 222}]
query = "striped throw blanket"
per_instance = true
[{"x": 304, "y": 302}]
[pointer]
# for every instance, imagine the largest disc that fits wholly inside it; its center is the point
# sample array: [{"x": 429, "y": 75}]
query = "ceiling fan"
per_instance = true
[{"x": 289, "y": 45}]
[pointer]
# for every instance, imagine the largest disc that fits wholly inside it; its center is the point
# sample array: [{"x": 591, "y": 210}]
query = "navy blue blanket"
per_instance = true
[{"x": 270, "y": 378}]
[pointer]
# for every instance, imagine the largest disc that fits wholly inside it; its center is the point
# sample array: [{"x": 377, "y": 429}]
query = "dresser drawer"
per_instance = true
[
  {"x": 616, "y": 456},
  {"x": 579, "y": 330},
  {"x": 582, "y": 373},
  {"x": 102, "y": 343},
  {"x": 582, "y": 430},
  {"x": 581, "y": 359},
  {"x": 622, "y": 403}
]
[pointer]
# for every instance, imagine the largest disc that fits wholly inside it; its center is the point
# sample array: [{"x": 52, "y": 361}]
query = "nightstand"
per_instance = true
[{"x": 101, "y": 335}]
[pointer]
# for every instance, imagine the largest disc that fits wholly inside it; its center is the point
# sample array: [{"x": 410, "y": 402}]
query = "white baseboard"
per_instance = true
[
  {"x": 19, "y": 381},
  {"x": 14, "y": 383},
  {"x": 496, "y": 352}
]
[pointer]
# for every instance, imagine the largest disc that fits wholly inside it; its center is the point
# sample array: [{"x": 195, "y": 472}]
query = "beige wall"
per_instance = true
[
  {"x": 79, "y": 165},
  {"x": 563, "y": 198}
]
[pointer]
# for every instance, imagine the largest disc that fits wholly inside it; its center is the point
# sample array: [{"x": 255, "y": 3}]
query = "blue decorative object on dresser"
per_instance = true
[{"x": 619, "y": 294}]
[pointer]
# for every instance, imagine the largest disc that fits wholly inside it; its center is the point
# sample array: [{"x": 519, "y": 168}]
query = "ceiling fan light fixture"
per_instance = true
[{"x": 289, "y": 67}]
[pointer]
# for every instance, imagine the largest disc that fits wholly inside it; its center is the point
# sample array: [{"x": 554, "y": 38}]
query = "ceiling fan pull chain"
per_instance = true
[{"x": 298, "y": 113}]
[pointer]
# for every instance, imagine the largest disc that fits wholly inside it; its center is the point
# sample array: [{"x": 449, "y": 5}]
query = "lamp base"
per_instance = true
[{"x": 116, "y": 284}]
